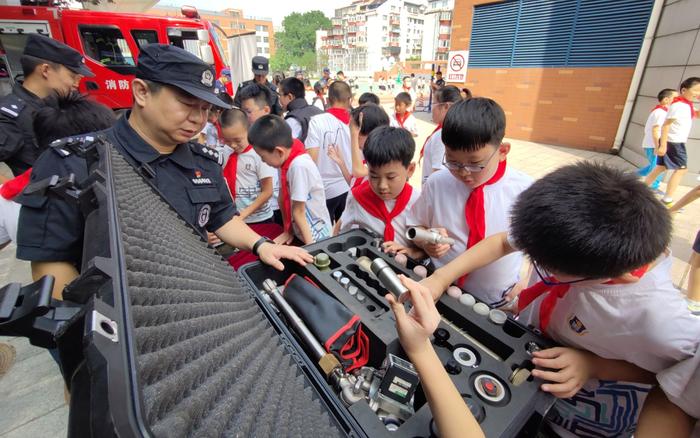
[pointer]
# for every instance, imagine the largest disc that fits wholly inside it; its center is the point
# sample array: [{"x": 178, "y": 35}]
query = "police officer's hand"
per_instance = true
[{"x": 272, "y": 254}]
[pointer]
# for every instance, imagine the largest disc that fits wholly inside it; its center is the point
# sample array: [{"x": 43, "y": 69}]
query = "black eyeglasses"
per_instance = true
[
  {"x": 471, "y": 168},
  {"x": 547, "y": 277}
]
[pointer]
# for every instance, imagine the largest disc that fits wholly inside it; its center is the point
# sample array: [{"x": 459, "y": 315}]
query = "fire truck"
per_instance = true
[{"x": 109, "y": 41}]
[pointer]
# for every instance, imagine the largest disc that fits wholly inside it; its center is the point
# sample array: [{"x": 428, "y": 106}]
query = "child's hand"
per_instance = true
[
  {"x": 334, "y": 155},
  {"x": 356, "y": 127},
  {"x": 393, "y": 247},
  {"x": 437, "y": 250},
  {"x": 661, "y": 150},
  {"x": 213, "y": 239},
  {"x": 415, "y": 329},
  {"x": 284, "y": 239},
  {"x": 573, "y": 368}
]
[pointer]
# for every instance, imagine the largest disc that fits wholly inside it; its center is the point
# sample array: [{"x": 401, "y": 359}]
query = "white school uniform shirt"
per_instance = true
[
  {"x": 295, "y": 126},
  {"x": 647, "y": 324},
  {"x": 656, "y": 118},
  {"x": 410, "y": 124},
  {"x": 441, "y": 205},
  {"x": 354, "y": 216},
  {"x": 274, "y": 200},
  {"x": 433, "y": 155},
  {"x": 679, "y": 131},
  {"x": 305, "y": 185},
  {"x": 250, "y": 170},
  {"x": 324, "y": 130}
]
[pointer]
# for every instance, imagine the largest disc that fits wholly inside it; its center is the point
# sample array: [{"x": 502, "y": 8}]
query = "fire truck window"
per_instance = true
[
  {"x": 143, "y": 37},
  {"x": 186, "y": 39},
  {"x": 106, "y": 45}
]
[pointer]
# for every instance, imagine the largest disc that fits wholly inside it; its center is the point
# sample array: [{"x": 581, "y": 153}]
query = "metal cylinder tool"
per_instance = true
[
  {"x": 388, "y": 277},
  {"x": 429, "y": 236}
]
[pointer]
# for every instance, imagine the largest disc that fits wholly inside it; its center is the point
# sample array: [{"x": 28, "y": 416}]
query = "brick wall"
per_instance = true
[{"x": 576, "y": 107}]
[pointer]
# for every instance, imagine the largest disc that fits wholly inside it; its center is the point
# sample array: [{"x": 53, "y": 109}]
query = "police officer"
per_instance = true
[
  {"x": 173, "y": 93},
  {"x": 49, "y": 66},
  {"x": 260, "y": 70}
]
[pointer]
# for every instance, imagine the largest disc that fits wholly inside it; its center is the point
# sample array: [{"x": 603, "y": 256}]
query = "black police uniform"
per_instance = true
[
  {"x": 260, "y": 66},
  {"x": 18, "y": 147},
  {"x": 190, "y": 178}
]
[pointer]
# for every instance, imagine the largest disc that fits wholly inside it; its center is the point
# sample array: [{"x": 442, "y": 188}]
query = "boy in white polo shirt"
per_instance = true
[
  {"x": 674, "y": 134},
  {"x": 433, "y": 150},
  {"x": 402, "y": 117},
  {"x": 301, "y": 200},
  {"x": 471, "y": 198},
  {"x": 382, "y": 202},
  {"x": 652, "y": 133},
  {"x": 605, "y": 293},
  {"x": 331, "y": 131},
  {"x": 248, "y": 178}
]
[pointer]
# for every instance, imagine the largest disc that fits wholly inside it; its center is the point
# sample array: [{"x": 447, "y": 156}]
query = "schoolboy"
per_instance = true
[
  {"x": 606, "y": 294},
  {"x": 363, "y": 120},
  {"x": 319, "y": 100},
  {"x": 652, "y": 133},
  {"x": 382, "y": 202},
  {"x": 433, "y": 150},
  {"x": 368, "y": 98},
  {"x": 471, "y": 198},
  {"x": 210, "y": 134},
  {"x": 302, "y": 198},
  {"x": 248, "y": 178},
  {"x": 330, "y": 132},
  {"x": 402, "y": 116},
  {"x": 298, "y": 111},
  {"x": 674, "y": 134},
  {"x": 255, "y": 103}
]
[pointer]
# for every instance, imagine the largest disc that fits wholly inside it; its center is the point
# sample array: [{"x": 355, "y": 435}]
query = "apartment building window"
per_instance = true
[
  {"x": 266, "y": 39},
  {"x": 260, "y": 28}
]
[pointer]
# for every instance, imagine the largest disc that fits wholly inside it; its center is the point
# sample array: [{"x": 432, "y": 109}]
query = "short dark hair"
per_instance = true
[
  {"x": 368, "y": 97},
  {"x": 590, "y": 220},
  {"x": 447, "y": 94},
  {"x": 318, "y": 87},
  {"x": 473, "y": 123},
  {"x": 339, "y": 91},
  {"x": 293, "y": 86},
  {"x": 373, "y": 116},
  {"x": 30, "y": 63},
  {"x": 66, "y": 115},
  {"x": 387, "y": 144},
  {"x": 438, "y": 72},
  {"x": 663, "y": 94},
  {"x": 307, "y": 82},
  {"x": 340, "y": 72},
  {"x": 260, "y": 94},
  {"x": 468, "y": 92},
  {"x": 155, "y": 87},
  {"x": 403, "y": 97},
  {"x": 232, "y": 116},
  {"x": 270, "y": 131},
  {"x": 226, "y": 98},
  {"x": 690, "y": 82}
]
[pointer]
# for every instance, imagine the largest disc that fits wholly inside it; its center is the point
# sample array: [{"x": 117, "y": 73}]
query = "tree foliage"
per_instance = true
[{"x": 296, "y": 44}]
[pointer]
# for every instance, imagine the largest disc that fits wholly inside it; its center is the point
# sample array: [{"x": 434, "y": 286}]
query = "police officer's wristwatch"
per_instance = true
[{"x": 259, "y": 242}]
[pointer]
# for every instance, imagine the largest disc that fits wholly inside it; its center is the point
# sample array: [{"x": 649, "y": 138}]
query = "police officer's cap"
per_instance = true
[
  {"x": 260, "y": 65},
  {"x": 48, "y": 49},
  {"x": 174, "y": 66}
]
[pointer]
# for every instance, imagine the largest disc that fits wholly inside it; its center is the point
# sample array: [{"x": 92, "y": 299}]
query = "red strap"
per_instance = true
[
  {"x": 476, "y": 215},
  {"x": 341, "y": 114},
  {"x": 400, "y": 119},
  {"x": 286, "y": 207},
  {"x": 231, "y": 169},
  {"x": 687, "y": 102},
  {"x": 422, "y": 150},
  {"x": 375, "y": 205},
  {"x": 14, "y": 187},
  {"x": 661, "y": 107}
]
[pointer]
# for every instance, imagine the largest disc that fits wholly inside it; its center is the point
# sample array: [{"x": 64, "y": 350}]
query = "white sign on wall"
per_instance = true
[{"x": 457, "y": 66}]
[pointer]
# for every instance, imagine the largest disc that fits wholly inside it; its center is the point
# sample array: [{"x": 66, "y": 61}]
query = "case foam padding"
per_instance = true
[{"x": 209, "y": 363}]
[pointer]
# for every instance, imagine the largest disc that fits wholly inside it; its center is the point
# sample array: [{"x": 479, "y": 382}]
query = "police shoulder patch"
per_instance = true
[
  {"x": 207, "y": 152},
  {"x": 11, "y": 106}
]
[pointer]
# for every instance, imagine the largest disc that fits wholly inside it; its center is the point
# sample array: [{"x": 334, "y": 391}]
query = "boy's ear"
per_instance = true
[
  {"x": 503, "y": 149},
  {"x": 279, "y": 151},
  {"x": 411, "y": 168},
  {"x": 266, "y": 109}
]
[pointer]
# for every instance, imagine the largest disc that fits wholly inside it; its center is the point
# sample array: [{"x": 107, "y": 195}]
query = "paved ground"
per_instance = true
[{"x": 31, "y": 394}]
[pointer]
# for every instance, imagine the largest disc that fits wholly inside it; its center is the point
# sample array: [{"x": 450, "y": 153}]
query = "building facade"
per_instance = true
[
  {"x": 231, "y": 22},
  {"x": 437, "y": 30}
]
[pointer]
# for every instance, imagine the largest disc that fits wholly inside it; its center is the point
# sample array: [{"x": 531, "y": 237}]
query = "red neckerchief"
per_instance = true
[
  {"x": 14, "y": 187},
  {"x": 341, "y": 114},
  {"x": 400, "y": 120},
  {"x": 527, "y": 296},
  {"x": 687, "y": 102},
  {"x": 374, "y": 205},
  {"x": 422, "y": 150},
  {"x": 231, "y": 170},
  {"x": 407, "y": 89},
  {"x": 660, "y": 107},
  {"x": 296, "y": 150},
  {"x": 475, "y": 214}
]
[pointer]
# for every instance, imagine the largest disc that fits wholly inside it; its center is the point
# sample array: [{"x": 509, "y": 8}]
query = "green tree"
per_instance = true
[{"x": 296, "y": 44}]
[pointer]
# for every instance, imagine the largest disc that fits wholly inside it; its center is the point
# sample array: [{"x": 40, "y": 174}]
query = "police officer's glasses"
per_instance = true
[{"x": 471, "y": 168}]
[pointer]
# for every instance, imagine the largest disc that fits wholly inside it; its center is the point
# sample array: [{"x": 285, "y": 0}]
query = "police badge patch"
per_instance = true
[{"x": 203, "y": 216}]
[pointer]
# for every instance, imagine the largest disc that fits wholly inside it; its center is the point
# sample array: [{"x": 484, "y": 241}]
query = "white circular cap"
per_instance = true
[
  {"x": 464, "y": 356},
  {"x": 489, "y": 388},
  {"x": 337, "y": 275},
  {"x": 345, "y": 282},
  {"x": 481, "y": 309},
  {"x": 352, "y": 290},
  {"x": 467, "y": 299},
  {"x": 360, "y": 297},
  {"x": 498, "y": 316}
]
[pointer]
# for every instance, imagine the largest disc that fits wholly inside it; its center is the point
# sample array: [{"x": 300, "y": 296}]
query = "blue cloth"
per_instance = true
[{"x": 644, "y": 171}]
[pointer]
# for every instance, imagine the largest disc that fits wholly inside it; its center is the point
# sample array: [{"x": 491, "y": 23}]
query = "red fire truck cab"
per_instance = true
[{"x": 109, "y": 41}]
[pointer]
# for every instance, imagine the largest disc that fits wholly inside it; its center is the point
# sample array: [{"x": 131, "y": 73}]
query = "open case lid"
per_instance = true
[{"x": 174, "y": 343}]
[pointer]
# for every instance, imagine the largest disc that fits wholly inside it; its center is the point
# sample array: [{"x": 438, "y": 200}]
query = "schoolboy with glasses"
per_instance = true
[
  {"x": 598, "y": 240},
  {"x": 471, "y": 197}
]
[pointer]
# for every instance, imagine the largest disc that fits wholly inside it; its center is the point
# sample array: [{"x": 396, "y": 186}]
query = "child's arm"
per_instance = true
[
  {"x": 660, "y": 417},
  {"x": 336, "y": 227},
  {"x": 359, "y": 170},
  {"x": 689, "y": 197},
  {"x": 452, "y": 416},
  {"x": 265, "y": 194},
  {"x": 483, "y": 253},
  {"x": 336, "y": 156},
  {"x": 299, "y": 218},
  {"x": 663, "y": 140}
]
